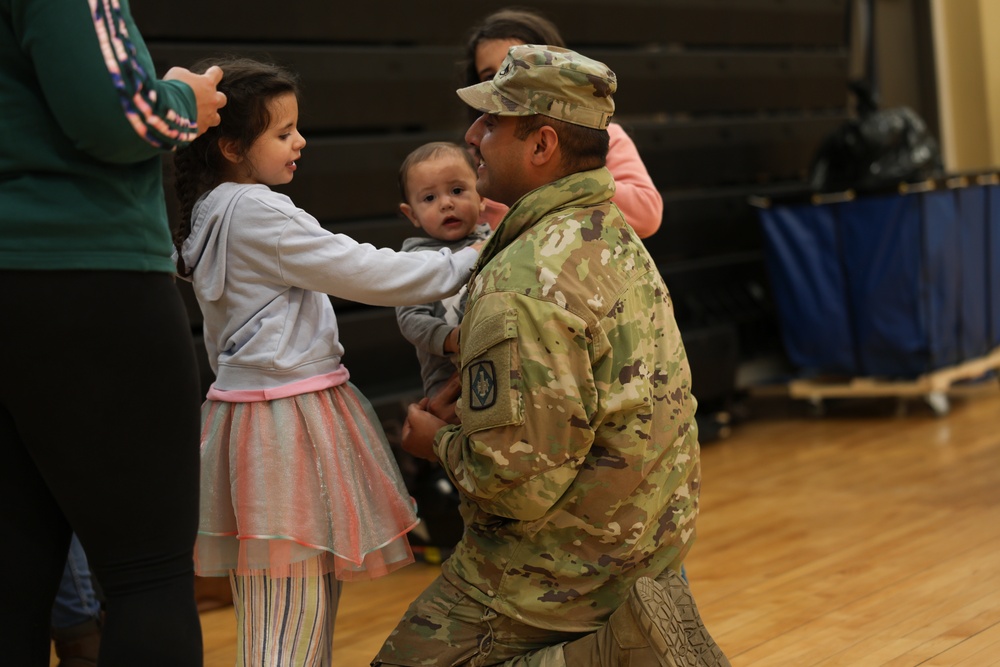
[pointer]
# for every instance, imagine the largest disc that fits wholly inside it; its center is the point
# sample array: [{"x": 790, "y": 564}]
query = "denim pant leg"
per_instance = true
[{"x": 76, "y": 602}]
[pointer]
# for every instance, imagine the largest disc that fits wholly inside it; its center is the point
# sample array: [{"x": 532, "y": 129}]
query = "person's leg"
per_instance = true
[
  {"x": 286, "y": 621},
  {"x": 657, "y": 626},
  {"x": 107, "y": 402},
  {"x": 37, "y": 538},
  {"x": 444, "y": 628}
]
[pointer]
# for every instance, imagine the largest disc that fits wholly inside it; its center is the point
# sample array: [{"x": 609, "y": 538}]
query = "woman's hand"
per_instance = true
[{"x": 204, "y": 85}]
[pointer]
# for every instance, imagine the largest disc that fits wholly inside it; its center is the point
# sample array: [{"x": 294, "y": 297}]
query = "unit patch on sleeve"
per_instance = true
[{"x": 482, "y": 385}]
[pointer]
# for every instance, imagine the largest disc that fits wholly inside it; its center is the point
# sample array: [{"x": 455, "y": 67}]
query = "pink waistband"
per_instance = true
[{"x": 316, "y": 383}]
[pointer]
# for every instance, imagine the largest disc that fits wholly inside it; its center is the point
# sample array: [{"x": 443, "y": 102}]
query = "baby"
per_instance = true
[{"x": 438, "y": 185}]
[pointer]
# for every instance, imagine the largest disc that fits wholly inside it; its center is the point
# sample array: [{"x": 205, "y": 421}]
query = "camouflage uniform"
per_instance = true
[{"x": 577, "y": 457}]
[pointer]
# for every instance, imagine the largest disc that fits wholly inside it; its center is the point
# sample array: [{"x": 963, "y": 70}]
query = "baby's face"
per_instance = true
[{"x": 442, "y": 197}]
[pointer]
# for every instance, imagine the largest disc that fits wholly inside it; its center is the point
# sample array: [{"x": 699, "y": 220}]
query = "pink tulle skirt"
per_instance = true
[{"x": 299, "y": 477}]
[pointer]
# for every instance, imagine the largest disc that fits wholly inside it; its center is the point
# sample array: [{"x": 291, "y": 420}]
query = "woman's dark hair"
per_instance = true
[
  {"x": 426, "y": 152},
  {"x": 249, "y": 86},
  {"x": 583, "y": 147},
  {"x": 517, "y": 23}
]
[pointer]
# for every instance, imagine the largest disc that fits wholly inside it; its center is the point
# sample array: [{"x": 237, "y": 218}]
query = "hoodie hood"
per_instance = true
[{"x": 204, "y": 250}]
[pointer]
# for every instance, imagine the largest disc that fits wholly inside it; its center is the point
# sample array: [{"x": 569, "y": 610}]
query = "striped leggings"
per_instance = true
[{"x": 287, "y": 621}]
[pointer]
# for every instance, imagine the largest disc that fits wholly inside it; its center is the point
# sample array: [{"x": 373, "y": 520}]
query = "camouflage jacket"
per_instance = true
[{"x": 577, "y": 458}]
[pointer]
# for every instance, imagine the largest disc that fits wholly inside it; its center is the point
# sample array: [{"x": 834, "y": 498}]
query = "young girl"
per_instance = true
[{"x": 299, "y": 487}]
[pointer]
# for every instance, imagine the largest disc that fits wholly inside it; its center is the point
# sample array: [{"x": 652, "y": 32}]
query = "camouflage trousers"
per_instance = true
[{"x": 446, "y": 628}]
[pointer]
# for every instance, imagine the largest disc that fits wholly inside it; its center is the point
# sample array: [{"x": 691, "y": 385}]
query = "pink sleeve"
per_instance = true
[
  {"x": 493, "y": 213},
  {"x": 635, "y": 193}
]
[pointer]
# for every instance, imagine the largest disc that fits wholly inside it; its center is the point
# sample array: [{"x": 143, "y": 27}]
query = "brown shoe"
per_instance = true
[{"x": 78, "y": 646}]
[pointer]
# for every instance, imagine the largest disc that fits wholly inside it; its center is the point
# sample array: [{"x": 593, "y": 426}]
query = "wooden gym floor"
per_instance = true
[{"x": 864, "y": 537}]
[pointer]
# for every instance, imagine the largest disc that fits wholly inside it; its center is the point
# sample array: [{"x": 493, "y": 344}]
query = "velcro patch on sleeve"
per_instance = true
[{"x": 491, "y": 385}]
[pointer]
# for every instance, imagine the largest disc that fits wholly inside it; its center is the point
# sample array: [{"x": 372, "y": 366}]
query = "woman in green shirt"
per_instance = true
[{"x": 99, "y": 391}]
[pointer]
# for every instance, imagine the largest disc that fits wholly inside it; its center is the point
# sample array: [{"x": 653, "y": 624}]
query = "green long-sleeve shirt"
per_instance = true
[{"x": 83, "y": 123}]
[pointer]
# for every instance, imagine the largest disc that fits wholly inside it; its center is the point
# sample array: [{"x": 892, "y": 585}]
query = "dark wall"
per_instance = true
[{"x": 724, "y": 99}]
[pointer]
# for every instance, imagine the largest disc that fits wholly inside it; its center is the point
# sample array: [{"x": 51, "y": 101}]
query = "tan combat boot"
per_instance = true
[
  {"x": 657, "y": 626},
  {"x": 702, "y": 645}
]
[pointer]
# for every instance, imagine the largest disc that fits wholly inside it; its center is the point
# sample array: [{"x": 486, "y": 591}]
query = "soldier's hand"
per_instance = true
[
  {"x": 444, "y": 404},
  {"x": 419, "y": 431}
]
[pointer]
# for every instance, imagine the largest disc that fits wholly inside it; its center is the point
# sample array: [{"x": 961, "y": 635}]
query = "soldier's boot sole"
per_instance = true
[
  {"x": 699, "y": 641},
  {"x": 645, "y": 631},
  {"x": 656, "y": 621}
]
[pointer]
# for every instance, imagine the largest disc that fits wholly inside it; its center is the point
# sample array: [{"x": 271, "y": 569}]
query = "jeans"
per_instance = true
[{"x": 76, "y": 602}]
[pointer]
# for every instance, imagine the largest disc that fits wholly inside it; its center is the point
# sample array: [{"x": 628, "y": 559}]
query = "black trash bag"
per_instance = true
[{"x": 877, "y": 150}]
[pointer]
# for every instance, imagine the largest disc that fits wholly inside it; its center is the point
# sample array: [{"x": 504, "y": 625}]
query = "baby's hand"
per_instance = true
[{"x": 451, "y": 342}]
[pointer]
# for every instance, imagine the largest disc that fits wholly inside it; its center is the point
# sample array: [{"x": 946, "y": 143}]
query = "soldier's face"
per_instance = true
[{"x": 504, "y": 160}]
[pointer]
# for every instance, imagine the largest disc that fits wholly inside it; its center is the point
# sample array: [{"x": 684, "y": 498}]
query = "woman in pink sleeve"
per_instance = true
[{"x": 635, "y": 193}]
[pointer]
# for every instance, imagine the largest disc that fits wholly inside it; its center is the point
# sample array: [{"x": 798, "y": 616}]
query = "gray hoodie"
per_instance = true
[
  {"x": 262, "y": 270},
  {"x": 427, "y": 325}
]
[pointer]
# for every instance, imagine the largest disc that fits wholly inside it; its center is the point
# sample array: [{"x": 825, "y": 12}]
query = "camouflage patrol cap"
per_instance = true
[{"x": 550, "y": 81}]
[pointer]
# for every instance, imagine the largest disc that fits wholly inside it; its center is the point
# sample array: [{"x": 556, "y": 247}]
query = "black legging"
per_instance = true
[{"x": 99, "y": 429}]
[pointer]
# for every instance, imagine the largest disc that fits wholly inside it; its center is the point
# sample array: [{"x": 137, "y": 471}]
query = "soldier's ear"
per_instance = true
[{"x": 546, "y": 145}]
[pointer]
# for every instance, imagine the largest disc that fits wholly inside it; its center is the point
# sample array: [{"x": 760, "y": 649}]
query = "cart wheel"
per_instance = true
[{"x": 938, "y": 401}]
